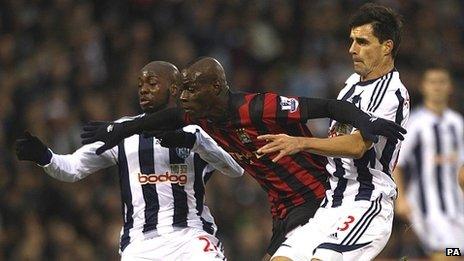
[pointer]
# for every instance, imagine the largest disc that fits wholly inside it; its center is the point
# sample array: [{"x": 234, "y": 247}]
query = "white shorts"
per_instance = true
[
  {"x": 354, "y": 231},
  {"x": 438, "y": 232},
  {"x": 185, "y": 244}
]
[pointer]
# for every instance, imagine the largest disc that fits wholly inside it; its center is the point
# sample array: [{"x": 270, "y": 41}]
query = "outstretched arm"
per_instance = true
[
  {"x": 111, "y": 133},
  {"x": 346, "y": 112},
  {"x": 346, "y": 146},
  {"x": 78, "y": 165},
  {"x": 68, "y": 168}
]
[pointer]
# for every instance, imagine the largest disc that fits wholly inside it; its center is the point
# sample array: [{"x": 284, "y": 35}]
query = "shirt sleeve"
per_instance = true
[
  {"x": 81, "y": 163},
  {"x": 214, "y": 155},
  {"x": 277, "y": 109},
  {"x": 407, "y": 146}
]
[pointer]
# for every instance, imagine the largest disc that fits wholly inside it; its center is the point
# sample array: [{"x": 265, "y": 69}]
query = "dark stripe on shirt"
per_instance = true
[
  {"x": 419, "y": 172},
  {"x": 261, "y": 177},
  {"x": 453, "y": 167},
  {"x": 256, "y": 115},
  {"x": 198, "y": 185},
  {"x": 126, "y": 196},
  {"x": 390, "y": 146},
  {"x": 364, "y": 175},
  {"x": 256, "y": 108},
  {"x": 178, "y": 193},
  {"x": 337, "y": 196},
  {"x": 438, "y": 165},
  {"x": 150, "y": 196},
  {"x": 199, "y": 190}
]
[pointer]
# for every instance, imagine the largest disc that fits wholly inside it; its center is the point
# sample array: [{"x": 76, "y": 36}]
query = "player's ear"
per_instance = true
[
  {"x": 217, "y": 87},
  {"x": 387, "y": 47},
  {"x": 174, "y": 90}
]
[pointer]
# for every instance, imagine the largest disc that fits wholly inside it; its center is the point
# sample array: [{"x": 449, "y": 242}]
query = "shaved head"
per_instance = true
[
  {"x": 205, "y": 92},
  {"x": 158, "y": 83},
  {"x": 163, "y": 69},
  {"x": 205, "y": 70}
]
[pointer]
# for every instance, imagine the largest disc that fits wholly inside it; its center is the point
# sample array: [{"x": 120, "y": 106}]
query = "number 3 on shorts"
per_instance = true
[
  {"x": 346, "y": 224},
  {"x": 208, "y": 245}
]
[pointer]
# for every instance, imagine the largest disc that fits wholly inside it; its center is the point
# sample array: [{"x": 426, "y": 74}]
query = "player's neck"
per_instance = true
[
  {"x": 379, "y": 71},
  {"x": 170, "y": 104},
  {"x": 220, "y": 110},
  {"x": 436, "y": 107}
]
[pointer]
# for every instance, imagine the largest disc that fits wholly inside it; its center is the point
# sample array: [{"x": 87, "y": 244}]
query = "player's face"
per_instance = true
[
  {"x": 196, "y": 95},
  {"x": 436, "y": 86},
  {"x": 366, "y": 51},
  {"x": 153, "y": 91}
]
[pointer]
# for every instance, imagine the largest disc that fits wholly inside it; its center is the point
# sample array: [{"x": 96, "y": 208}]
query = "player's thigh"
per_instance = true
[
  {"x": 360, "y": 234},
  {"x": 202, "y": 246},
  {"x": 302, "y": 240},
  {"x": 149, "y": 249}
]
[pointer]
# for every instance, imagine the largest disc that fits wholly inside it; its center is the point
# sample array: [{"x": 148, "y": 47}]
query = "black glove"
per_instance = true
[
  {"x": 371, "y": 127},
  {"x": 177, "y": 139},
  {"x": 110, "y": 133},
  {"x": 32, "y": 148}
]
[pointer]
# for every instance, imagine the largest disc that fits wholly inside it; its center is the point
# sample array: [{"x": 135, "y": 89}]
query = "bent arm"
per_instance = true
[
  {"x": 346, "y": 146},
  {"x": 78, "y": 165},
  {"x": 214, "y": 155}
]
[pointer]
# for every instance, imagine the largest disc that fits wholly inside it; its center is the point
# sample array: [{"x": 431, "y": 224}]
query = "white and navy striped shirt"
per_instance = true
[
  {"x": 368, "y": 177},
  {"x": 162, "y": 189},
  {"x": 432, "y": 154}
]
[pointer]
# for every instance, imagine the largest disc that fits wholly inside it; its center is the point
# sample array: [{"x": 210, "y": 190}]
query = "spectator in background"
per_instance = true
[{"x": 432, "y": 163}]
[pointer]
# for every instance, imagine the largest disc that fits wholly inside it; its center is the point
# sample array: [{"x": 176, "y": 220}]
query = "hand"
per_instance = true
[
  {"x": 110, "y": 133},
  {"x": 177, "y": 139},
  {"x": 284, "y": 144},
  {"x": 32, "y": 148},
  {"x": 378, "y": 126}
]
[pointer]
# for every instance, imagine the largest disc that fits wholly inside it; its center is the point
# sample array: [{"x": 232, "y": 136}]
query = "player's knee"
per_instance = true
[{"x": 280, "y": 258}]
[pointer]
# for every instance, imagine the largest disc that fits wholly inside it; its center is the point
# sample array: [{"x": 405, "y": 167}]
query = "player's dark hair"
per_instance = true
[{"x": 386, "y": 23}]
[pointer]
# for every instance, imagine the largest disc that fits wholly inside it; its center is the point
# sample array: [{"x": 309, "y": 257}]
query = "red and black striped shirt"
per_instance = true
[{"x": 291, "y": 181}]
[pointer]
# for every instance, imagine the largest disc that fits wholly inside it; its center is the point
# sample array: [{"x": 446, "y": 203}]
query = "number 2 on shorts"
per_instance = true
[
  {"x": 346, "y": 224},
  {"x": 208, "y": 244}
]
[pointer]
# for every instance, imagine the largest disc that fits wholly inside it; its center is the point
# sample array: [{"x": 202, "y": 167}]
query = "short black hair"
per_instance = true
[{"x": 386, "y": 23}]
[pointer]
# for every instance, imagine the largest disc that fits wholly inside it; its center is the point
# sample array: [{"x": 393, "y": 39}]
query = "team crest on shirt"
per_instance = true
[
  {"x": 243, "y": 136},
  {"x": 183, "y": 152},
  {"x": 288, "y": 104}
]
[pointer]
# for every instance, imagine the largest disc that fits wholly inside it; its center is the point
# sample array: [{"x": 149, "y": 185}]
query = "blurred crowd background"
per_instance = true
[{"x": 65, "y": 62}]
